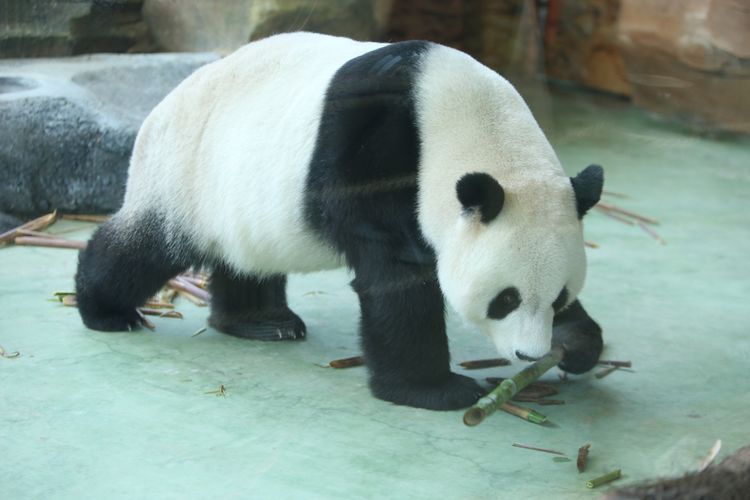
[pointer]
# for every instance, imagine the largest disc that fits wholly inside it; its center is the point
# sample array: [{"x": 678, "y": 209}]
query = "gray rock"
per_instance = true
[{"x": 68, "y": 126}]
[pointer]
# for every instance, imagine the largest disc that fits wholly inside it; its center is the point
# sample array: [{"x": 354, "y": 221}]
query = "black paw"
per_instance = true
[
  {"x": 452, "y": 393},
  {"x": 288, "y": 327},
  {"x": 580, "y": 336},
  {"x": 113, "y": 321}
]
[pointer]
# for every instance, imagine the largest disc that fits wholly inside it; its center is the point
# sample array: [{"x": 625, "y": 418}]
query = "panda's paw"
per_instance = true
[
  {"x": 120, "y": 321},
  {"x": 289, "y": 327},
  {"x": 452, "y": 393}
]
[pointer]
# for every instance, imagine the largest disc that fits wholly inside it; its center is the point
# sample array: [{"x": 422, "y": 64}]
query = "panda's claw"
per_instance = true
[
  {"x": 452, "y": 393},
  {"x": 291, "y": 328}
]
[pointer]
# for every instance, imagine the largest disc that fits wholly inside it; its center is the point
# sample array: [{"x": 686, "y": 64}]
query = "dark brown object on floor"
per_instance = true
[
  {"x": 583, "y": 454},
  {"x": 727, "y": 481},
  {"x": 347, "y": 362}
]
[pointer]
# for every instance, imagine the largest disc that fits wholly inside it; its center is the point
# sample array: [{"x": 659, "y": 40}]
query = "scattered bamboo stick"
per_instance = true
[
  {"x": 8, "y": 355},
  {"x": 549, "y": 402},
  {"x": 188, "y": 288},
  {"x": 614, "y": 194},
  {"x": 706, "y": 462},
  {"x": 51, "y": 242},
  {"x": 85, "y": 217},
  {"x": 488, "y": 404},
  {"x": 39, "y": 234},
  {"x": 591, "y": 244},
  {"x": 145, "y": 321},
  {"x": 167, "y": 295},
  {"x": 652, "y": 233},
  {"x": 201, "y": 283},
  {"x": 37, "y": 224},
  {"x": 545, "y": 450},
  {"x": 615, "y": 208},
  {"x": 606, "y": 371},
  {"x": 604, "y": 479},
  {"x": 201, "y": 330},
  {"x": 69, "y": 300},
  {"x": 583, "y": 454},
  {"x": 613, "y": 215},
  {"x": 221, "y": 391},
  {"x": 528, "y": 414},
  {"x": 157, "y": 304},
  {"x": 619, "y": 364},
  {"x": 161, "y": 313},
  {"x": 347, "y": 362},
  {"x": 478, "y": 364}
]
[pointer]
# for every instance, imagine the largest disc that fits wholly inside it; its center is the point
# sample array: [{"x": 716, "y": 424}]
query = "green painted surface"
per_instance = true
[{"x": 97, "y": 415}]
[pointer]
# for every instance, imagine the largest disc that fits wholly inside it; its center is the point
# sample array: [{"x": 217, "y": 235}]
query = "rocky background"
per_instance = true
[{"x": 68, "y": 123}]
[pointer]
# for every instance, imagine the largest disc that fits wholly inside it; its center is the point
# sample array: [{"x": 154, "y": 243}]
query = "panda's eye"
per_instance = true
[
  {"x": 561, "y": 300},
  {"x": 504, "y": 303}
]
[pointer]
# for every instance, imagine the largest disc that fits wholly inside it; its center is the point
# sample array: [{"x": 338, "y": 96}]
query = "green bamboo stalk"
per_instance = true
[
  {"x": 488, "y": 404},
  {"x": 606, "y": 478}
]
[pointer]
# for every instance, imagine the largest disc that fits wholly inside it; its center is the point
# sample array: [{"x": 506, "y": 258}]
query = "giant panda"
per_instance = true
[{"x": 411, "y": 163}]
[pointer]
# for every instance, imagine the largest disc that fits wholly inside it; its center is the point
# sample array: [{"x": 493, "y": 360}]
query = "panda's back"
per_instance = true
[{"x": 224, "y": 158}]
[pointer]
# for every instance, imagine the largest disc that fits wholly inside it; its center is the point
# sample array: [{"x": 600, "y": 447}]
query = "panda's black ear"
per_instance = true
[
  {"x": 587, "y": 187},
  {"x": 480, "y": 191}
]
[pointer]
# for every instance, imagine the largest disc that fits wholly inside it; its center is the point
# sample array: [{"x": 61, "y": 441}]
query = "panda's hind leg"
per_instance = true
[
  {"x": 251, "y": 307},
  {"x": 125, "y": 263}
]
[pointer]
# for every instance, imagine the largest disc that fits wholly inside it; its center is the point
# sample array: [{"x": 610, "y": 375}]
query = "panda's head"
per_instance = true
[{"x": 518, "y": 255}]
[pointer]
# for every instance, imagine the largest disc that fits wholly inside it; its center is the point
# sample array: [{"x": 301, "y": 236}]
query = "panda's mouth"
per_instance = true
[{"x": 525, "y": 357}]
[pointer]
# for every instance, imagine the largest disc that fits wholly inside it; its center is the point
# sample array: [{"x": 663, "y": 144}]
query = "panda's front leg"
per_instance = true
[{"x": 403, "y": 335}]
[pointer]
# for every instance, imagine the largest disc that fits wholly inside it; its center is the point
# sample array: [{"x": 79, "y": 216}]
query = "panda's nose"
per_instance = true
[{"x": 525, "y": 357}]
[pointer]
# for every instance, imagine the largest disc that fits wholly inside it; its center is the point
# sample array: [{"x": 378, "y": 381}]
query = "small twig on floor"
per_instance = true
[
  {"x": 145, "y": 321},
  {"x": 161, "y": 313},
  {"x": 591, "y": 244},
  {"x": 709, "y": 459},
  {"x": 37, "y": 224},
  {"x": 628, "y": 213},
  {"x": 545, "y": 450},
  {"x": 527, "y": 414},
  {"x": 619, "y": 364},
  {"x": 86, "y": 217},
  {"x": 652, "y": 233},
  {"x": 347, "y": 362},
  {"x": 606, "y": 371},
  {"x": 479, "y": 364},
  {"x": 8, "y": 355},
  {"x": 615, "y": 216},
  {"x": 221, "y": 391},
  {"x": 50, "y": 242},
  {"x": 201, "y": 330}
]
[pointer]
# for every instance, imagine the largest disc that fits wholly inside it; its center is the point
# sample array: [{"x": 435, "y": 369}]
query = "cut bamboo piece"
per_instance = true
[
  {"x": 86, "y": 217},
  {"x": 185, "y": 286},
  {"x": 347, "y": 362},
  {"x": 591, "y": 244},
  {"x": 37, "y": 224},
  {"x": 35, "y": 241},
  {"x": 619, "y": 364},
  {"x": 161, "y": 313},
  {"x": 606, "y": 478},
  {"x": 528, "y": 414},
  {"x": 479, "y": 364},
  {"x": 606, "y": 371},
  {"x": 488, "y": 404}
]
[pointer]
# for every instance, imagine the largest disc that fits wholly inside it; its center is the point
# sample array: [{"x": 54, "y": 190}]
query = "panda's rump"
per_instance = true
[{"x": 225, "y": 157}]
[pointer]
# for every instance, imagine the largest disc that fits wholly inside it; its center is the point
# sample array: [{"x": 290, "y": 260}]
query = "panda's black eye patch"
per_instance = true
[
  {"x": 504, "y": 303},
  {"x": 561, "y": 300}
]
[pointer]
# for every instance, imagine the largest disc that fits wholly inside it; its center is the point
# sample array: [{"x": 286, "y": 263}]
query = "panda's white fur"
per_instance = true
[
  {"x": 222, "y": 172},
  {"x": 219, "y": 161}
]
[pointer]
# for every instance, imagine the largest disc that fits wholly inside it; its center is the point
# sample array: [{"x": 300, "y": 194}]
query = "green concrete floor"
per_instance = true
[{"x": 87, "y": 414}]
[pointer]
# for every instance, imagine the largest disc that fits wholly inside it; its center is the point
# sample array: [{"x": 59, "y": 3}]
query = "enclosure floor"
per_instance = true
[{"x": 86, "y": 414}]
